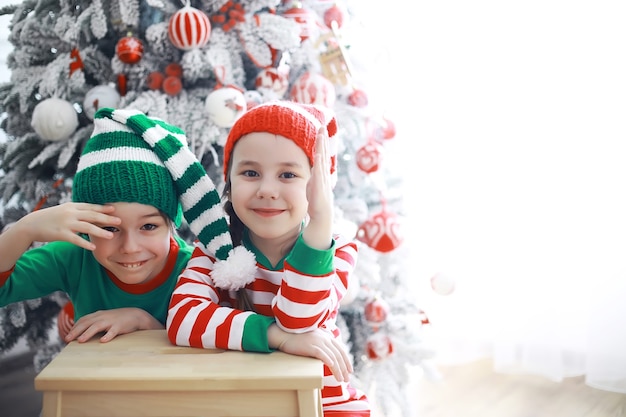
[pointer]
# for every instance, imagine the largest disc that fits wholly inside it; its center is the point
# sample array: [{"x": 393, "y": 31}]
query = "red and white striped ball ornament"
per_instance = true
[
  {"x": 313, "y": 88},
  {"x": 376, "y": 312},
  {"x": 272, "y": 82},
  {"x": 381, "y": 232},
  {"x": 189, "y": 28},
  {"x": 379, "y": 346}
]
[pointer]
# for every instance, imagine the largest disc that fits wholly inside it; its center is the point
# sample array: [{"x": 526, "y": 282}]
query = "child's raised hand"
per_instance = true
[
  {"x": 57, "y": 223},
  {"x": 66, "y": 221},
  {"x": 318, "y": 232}
]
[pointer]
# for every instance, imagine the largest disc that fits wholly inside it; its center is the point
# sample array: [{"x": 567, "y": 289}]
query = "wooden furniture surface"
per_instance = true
[{"x": 143, "y": 374}]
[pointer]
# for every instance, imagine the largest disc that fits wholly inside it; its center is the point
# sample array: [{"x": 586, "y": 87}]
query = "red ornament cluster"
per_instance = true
[
  {"x": 170, "y": 81},
  {"x": 229, "y": 15}
]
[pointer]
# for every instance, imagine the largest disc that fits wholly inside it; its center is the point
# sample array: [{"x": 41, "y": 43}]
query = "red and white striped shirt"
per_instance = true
[{"x": 300, "y": 294}]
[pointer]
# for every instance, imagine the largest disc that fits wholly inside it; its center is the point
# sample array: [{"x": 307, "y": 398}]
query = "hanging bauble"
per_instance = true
[
  {"x": 304, "y": 17},
  {"x": 122, "y": 84},
  {"x": 389, "y": 130},
  {"x": 379, "y": 346},
  {"x": 172, "y": 85},
  {"x": 129, "y": 49},
  {"x": 154, "y": 80},
  {"x": 98, "y": 97},
  {"x": 253, "y": 98},
  {"x": 376, "y": 311},
  {"x": 369, "y": 156},
  {"x": 333, "y": 14},
  {"x": 358, "y": 98},
  {"x": 380, "y": 128},
  {"x": 189, "y": 28},
  {"x": 381, "y": 232},
  {"x": 54, "y": 119},
  {"x": 174, "y": 69},
  {"x": 442, "y": 284},
  {"x": 313, "y": 88},
  {"x": 225, "y": 105},
  {"x": 272, "y": 82},
  {"x": 423, "y": 317}
]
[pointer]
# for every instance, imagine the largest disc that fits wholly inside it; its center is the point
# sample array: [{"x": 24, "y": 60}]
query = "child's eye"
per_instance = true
[
  {"x": 249, "y": 173},
  {"x": 288, "y": 175},
  {"x": 149, "y": 226},
  {"x": 111, "y": 229}
]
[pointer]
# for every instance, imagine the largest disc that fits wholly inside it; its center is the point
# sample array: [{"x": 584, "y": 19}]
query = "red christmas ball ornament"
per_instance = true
[
  {"x": 129, "y": 49},
  {"x": 189, "y": 28},
  {"x": 358, "y": 98},
  {"x": 333, "y": 14},
  {"x": 304, "y": 17},
  {"x": 369, "y": 157},
  {"x": 381, "y": 232},
  {"x": 154, "y": 80},
  {"x": 379, "y": 346},
  {"x": 376, "y": 311},
  {"x": 173, "y": 69},
  {"x": 172, "y": 85}
]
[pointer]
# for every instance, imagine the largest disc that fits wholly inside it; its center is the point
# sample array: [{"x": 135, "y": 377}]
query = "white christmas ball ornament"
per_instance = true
[
  {"x": 442, "y": 284},
  {"x": 54, "y": 119},
  {"x": 225, "y": 105},
  {"x": 253, "y": 98},
  {"x": 98, "y": 97}
]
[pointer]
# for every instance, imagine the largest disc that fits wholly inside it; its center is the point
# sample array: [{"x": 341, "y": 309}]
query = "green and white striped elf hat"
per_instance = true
[{"x": 131, "y": 157}]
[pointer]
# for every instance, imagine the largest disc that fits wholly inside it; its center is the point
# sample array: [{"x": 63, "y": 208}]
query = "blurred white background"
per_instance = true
[{"x": 512, "y": 141}]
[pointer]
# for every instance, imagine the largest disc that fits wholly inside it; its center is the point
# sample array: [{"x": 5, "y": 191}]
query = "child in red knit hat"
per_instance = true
[{"x": 279, "y": 171}]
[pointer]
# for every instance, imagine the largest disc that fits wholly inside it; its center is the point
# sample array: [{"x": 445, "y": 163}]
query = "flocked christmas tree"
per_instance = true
[{"x": 200, "y": 64}]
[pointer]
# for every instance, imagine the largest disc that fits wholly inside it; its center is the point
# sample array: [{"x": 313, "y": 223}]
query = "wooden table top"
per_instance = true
[{"x": 146, "y": 360}]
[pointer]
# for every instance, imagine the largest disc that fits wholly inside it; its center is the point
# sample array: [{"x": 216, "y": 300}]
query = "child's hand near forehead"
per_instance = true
[
  {"x": 63, "y": 222},
  {"x": 68, "y": 220},
  {"x": 318, "y": 232}
]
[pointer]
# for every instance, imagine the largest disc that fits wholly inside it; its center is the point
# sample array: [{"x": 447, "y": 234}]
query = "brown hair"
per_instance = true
[{"x": 236, "y": 228}]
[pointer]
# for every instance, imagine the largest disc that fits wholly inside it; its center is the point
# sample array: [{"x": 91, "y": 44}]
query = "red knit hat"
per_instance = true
[{"x": 298, "y": 122}]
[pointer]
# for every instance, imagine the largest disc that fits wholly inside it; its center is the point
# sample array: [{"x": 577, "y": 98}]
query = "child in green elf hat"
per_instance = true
[{"x": 114, "y": 248}]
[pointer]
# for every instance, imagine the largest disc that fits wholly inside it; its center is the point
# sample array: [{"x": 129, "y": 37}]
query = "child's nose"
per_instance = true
[
  {"x": 267, "y": 188},
  {"x": 129, "y": 243}
]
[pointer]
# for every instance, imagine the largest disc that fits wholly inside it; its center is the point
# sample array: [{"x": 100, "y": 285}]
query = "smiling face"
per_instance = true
[
  {"x": 268, "y": 176},
  {"x": 140, "y": 246}
]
